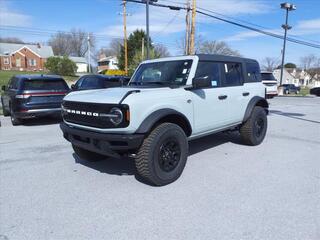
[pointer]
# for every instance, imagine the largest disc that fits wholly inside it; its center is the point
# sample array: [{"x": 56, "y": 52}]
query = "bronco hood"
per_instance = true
[{"x": 109, "y": 95}]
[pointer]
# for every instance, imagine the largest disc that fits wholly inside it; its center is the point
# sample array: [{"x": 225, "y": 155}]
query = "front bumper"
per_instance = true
[
  {"x": 108, "y": 144},
  {"x": 31, "y": 113}
]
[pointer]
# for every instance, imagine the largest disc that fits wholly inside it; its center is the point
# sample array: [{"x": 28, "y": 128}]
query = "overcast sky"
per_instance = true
[{"x": 167, "y": 27}]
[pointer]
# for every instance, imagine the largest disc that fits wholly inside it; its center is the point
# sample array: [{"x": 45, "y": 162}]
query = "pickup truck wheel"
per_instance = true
[
  {"x": 14, "y": 120},
  {"x": 254, "y": 129},
  {"x": 4, "y": 111},
  {"x": 88, "y": 155},
  {"x": 163, "y": 154}
]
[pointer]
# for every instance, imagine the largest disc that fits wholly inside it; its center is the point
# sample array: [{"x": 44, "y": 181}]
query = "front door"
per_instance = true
[{"x": 210, "y": 104}]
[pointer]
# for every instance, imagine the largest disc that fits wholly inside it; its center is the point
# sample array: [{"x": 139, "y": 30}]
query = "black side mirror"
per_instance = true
[
  {"x": 73, "y": 87},
  {"x": 3, "y": 88},
  {"x": 201, "y": 82}
]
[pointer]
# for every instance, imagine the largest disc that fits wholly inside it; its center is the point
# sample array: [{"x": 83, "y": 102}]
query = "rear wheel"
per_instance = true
[
  {"x": 163, "y": 154},
  {"x": 14, "y": 120},
  {"x": 88, "y": 155},
  {"x": 254, "y": 129}
]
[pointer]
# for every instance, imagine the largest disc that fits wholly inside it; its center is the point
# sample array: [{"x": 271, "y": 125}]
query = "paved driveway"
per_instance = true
[{"x": 227, "y": 190}]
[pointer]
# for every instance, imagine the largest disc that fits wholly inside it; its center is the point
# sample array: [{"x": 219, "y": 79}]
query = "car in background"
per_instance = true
[
  {"x": 99, "y": 81},
  {"x": 290, "y": 88},
  {"x": 271, "y": 84},
  {"x": 30, "y": 96},
  {"x": 315, "y": 91}
]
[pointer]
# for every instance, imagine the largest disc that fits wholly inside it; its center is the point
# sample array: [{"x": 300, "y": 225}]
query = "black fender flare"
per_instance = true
[
  {"x": 255, "y": 101},
  {"x": 154, "y": 117}
]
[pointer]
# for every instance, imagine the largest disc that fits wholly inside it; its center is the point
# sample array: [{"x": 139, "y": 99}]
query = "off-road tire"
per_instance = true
[
  {"x": 252, "y": 133},
  {"x": 88, "y": 155},
  {"x": 14, "y": 120},
  {"x": 4, "y": 111},
  {"x": 149, "y": 159}
]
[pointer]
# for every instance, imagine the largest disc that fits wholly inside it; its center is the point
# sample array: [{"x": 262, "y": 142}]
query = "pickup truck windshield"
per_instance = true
[{"x": 162, "y": 73}]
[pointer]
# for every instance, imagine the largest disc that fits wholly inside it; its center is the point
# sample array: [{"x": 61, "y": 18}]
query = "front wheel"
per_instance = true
[
  {"x": 254, "y": 129},
  {"x": 87, "y": 155},
  {"x": 163, "y": 154}
]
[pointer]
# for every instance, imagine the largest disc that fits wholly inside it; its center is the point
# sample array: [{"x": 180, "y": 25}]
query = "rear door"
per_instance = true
[
  {"x": 233, "y": 80},
  {"x": 11, "y": 91}
]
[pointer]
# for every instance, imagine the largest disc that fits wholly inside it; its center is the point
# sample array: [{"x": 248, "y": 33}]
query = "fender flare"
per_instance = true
[
  {"x": 154, "y": 117},
  {"x": 255, "y": 101}
]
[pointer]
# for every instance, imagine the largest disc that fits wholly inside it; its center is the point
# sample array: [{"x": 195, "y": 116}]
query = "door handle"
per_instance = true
[
  {"x": 222, "y": 97},
  {"x": 245, "y": 94}
]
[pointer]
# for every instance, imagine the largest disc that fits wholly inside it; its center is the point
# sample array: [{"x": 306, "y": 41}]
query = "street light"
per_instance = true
[
  {"x": 147, "y": 22},
  {"x": 288, "y": 7}
]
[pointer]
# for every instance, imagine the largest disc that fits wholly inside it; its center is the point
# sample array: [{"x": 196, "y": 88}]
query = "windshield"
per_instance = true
[
  {"x": 162, "y": 73},
  {"x": 267, "y": 76}
]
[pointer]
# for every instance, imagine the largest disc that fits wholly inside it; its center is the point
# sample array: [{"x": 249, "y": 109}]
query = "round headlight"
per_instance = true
[{"x": 118, "y": 116}]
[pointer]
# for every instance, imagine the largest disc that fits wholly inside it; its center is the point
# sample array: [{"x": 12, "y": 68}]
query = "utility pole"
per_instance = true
[
  {"x": 147, "y": 26},
  {"x": 89, "y": 53},
  {"x": 288, "y": 7},
  {"x": 193, "y": 27},
  {"x": 187, "y": 41},
  {"x": 142, "y": 49},
  {"x": 125, "y": 38}
]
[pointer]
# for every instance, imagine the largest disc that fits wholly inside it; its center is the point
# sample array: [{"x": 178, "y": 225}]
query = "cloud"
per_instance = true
[
  {"x": 13, "y": 18},
  {"x": 164, "y": 21},
  {"x": 304, "y": 27}
]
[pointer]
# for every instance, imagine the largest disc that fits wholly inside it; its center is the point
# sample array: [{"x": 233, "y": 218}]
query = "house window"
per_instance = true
[
  {"x": 32, "y": 62},
  {"x": 18, "y": 62},
  {"x": 6, "y": 60}
]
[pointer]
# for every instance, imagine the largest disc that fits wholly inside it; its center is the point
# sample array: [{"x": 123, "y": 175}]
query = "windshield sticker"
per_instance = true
[
  {"x": 214, "y": 83},
  {"x": 184, "y": 71},
  {"x": 226, "y": 68},
  {"x": 185, "y": 63}
]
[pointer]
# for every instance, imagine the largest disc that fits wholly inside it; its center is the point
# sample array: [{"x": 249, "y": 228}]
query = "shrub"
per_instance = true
[{"x": 61, "y": 65}]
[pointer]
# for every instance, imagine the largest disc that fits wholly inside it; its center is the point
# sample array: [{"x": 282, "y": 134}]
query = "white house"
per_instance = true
[
  {"x": 106, "y": 63},
  {"x": 296, "y": 76},
  {"x": 81, "y": 63}
]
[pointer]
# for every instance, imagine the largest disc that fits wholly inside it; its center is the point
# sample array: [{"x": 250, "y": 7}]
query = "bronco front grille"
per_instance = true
[{"x": 88, "y": 114}]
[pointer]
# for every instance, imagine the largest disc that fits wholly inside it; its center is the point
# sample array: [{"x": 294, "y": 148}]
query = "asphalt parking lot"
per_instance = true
[{"x": 227, "y": 190}]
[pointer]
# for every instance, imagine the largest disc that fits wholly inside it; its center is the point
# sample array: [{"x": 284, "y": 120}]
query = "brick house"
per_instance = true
[{"x": 24, "y": 57}]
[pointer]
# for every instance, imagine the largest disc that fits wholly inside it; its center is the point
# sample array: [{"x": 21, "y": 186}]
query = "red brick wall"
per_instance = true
[{"x": 25, "y": 55}]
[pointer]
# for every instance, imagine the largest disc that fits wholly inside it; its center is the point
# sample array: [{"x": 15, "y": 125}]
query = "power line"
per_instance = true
[{"x": 234, "y": 23}]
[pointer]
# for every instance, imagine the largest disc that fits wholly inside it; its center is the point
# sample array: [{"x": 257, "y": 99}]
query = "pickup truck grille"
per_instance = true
[{"x": 87, "y": 114}]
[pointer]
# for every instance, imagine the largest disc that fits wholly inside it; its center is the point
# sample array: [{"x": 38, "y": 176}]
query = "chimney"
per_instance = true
[{"x": 38, "y": 45}]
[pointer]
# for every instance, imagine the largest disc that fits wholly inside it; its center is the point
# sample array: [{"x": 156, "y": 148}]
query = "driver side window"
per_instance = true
[{"x": 209, "y": 70}]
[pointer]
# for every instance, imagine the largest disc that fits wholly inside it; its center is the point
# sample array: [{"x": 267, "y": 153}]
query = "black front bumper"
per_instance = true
[{"x": 108, "y": 144}]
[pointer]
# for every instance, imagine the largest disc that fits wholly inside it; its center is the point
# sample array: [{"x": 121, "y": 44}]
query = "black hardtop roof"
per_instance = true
[
  {"x": 38, "y": 77},
  {"x": 223, "y": 58}
]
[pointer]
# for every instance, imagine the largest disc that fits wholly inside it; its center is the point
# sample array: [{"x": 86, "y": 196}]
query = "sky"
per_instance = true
[{"x": 36, "y": 20}]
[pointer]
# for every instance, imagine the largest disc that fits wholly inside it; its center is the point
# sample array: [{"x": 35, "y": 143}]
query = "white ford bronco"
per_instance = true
[{"x": 167, "y": 102}]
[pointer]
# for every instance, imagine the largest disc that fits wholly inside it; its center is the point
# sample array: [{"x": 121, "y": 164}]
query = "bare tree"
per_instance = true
[
  {"x": 181, "y": 44},
  {"x": 217, "y": 47},
  {"x": 161, "y": 50},
  {"x": 11, "y": 40},
  {"x": 73, "y": 43},
  {"x": 113, "y": 49},
  {"x": 311, "y": 64},
  {"x": 269, "y": 64},
  {"x": 61, "y": 44}
]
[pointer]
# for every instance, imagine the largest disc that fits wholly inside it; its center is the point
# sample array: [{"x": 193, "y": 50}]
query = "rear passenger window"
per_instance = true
[
  {"x": 233, "y": 74},
  {"x": 253, "y": 72},
  {"x": 13, "y": 83},
  {"x": 209, "y": 70}
]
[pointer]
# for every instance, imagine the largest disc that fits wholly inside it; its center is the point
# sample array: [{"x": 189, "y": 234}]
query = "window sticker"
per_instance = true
[
  {"x": 214, "y": 83},
  {"x": 226, "y": 68},
  {"x": 184, "y": 71}
]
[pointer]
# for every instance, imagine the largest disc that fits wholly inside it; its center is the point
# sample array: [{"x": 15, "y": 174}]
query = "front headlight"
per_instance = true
[{"x": 116, "y": 116}]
